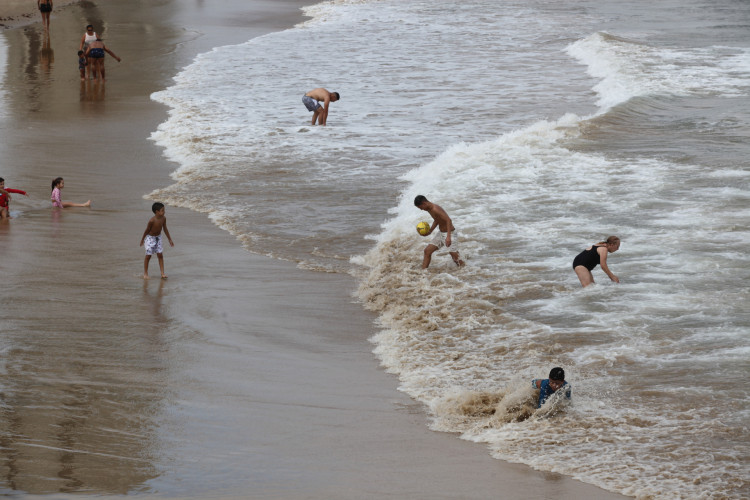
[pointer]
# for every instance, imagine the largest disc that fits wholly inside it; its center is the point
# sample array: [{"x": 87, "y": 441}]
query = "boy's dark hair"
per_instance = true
[
  {"x": 157, "y": 206},
  {"x": 89, "y": 26},
  {"x": 419, "y": 200},
  {"x": 337, "y": 95},
  {"x": 2, "y": 180},
  {"x": 80, "y": 52},
  {"x": 557, "y": 373}
]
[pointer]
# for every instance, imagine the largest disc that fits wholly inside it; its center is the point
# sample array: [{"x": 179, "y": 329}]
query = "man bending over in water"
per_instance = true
[
  {"x": 445, "y": 237},
  {"x": 312, "y": 101}
]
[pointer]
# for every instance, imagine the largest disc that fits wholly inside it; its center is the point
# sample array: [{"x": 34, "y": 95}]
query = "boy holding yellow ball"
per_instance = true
[{"x": 445, "y": 237}]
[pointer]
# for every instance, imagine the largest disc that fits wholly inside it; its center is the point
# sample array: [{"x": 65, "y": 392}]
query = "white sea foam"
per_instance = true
[{"x": 628, "y": 69}]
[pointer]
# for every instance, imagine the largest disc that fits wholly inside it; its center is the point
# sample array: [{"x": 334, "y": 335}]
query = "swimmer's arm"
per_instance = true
[
  {"x": 83, "y": 39},
  {"x": 148, "y": 230},
  {"x": 603, "y": 263},
  {"x": 433, "y": 226},
  {"x": 324, "y": 113},
  {"x": 166, "y": 231},
  {"x": 17, "y": 191},
  {"x": 536, "y": 383},
  {"x": 112, "y": 54}
]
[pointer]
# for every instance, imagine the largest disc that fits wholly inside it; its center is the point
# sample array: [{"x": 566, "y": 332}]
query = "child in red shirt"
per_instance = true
[{"x": 5, "y": 198}]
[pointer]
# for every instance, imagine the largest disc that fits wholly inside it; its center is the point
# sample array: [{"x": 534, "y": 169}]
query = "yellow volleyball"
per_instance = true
[{"x": 423, "y": 228}]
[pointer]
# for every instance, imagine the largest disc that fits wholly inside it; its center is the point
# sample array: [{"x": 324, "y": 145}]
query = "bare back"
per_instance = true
[{"x": 441, "y": 217}]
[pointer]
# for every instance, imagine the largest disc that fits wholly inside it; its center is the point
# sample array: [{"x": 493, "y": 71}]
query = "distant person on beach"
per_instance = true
[
  {"x": 312, "y": 101},
  {"x": 549, "y": 386},
  {"x": 5, "y": 198},
  {"x": 152, "y": 238},
  {"x": 594, "y": 255},
  {"x": 45, "y": 7},
  {"x": 57, "y": 202},
  {"x": 82, "y": 65},
  {"x": 88, "y": 37},
  {"x": 446, "y": 236},
  {"x": 95, "y": 53}
]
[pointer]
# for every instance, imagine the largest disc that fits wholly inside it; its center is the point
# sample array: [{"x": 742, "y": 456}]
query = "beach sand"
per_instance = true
[
  {"x": 239, "y": 376},
  {"x": 15, "y": 13}
]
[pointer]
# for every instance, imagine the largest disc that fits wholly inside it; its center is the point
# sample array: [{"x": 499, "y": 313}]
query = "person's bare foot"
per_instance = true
[
  {"x": 145, "y": 277},
  {"x": 164, "y": 276},
  {"x": 460, "y": 263},
  {"x": 87, "y": 204}
]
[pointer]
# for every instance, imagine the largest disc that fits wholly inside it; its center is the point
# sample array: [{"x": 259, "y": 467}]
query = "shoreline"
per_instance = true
[{"x": 253, "y": 385}]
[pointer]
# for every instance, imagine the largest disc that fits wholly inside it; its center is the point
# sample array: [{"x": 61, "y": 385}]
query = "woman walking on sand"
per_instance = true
[
  {"x": 45, "y": 7},
  {"x": 95, "y": 53},
  {"x": 593, "y": 256},
  {"x": 57, "y": 185},
  {"x": 88, "y": 37}
]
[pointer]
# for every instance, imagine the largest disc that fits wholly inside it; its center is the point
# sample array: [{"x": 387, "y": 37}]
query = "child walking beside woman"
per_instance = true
[{"x": 57, "y": 185}]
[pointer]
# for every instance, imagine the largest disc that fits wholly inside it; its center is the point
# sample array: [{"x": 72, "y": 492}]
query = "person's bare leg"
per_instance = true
[
  {"x": 316, "y": 113},
  {"x": 584, "y": 275},
  {"x": 67, "y": 204},
  {"x": 101, "y": 68},
  {"x": 161, "y": 265},
  {"x": 145, "y": 267},
  {"x": 428, "y": 251},
  {"x": 457, "y": 259}
]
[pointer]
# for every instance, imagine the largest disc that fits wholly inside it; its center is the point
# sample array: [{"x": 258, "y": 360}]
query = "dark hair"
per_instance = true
[
  {"x": 157, "y": 206},
  {"x": 89, "y": 26},
  {"x": 419, "y": 200},
  {"x": 2, "y": 180},
  {"x": 557, "y": 373},
  {"x": 337, "y": 95},
  {"x": 80, "y": 52},
  {"x": 56, "y": 182}
]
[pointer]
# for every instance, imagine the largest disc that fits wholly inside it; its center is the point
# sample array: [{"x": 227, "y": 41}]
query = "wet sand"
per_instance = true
[{"x": 239, "y": 376}]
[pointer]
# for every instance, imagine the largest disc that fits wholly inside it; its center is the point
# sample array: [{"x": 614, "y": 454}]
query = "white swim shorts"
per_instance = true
[
  {"x": 438, "y": 239},
  {"x": 153, "y": 244}
]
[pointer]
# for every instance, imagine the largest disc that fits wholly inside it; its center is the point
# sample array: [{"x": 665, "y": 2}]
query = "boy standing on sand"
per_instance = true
[
  {"x": 82, "y": 65},
  {"x": 445, "y": 237},
  {"x": 312, "y": 99},
  {"x": 152, "y": 238}
]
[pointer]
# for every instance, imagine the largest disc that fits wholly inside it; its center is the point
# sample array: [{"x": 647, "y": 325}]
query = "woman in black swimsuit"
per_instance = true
[
  {"x": 45, "y": 7},
  {"x": 594, "y": 255}
]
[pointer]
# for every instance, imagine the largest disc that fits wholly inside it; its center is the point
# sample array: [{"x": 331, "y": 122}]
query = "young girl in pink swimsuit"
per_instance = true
[{"x": 57, "y": 185}]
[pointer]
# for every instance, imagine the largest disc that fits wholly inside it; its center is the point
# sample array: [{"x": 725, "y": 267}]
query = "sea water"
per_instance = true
[{"x": 541, "y": 127}]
